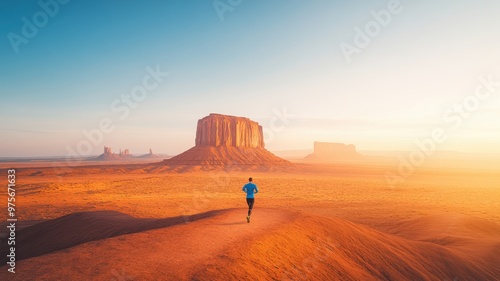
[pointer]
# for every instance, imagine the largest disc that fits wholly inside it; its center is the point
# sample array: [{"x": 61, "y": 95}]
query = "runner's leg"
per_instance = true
[{"x": 250, "y": 202}]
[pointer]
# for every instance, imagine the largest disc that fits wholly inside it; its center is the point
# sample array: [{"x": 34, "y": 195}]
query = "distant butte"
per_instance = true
[
  {"x": 227, "y": 140},
  {"x": 331, "y": 151},
  {"x": 123, "y": 154},
  {"x": 109, "y": 155},
  {"x": 149, "y": 155}
]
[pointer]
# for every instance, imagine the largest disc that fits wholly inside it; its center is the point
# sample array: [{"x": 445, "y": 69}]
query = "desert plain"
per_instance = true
[{"x": 151, "y": 221}]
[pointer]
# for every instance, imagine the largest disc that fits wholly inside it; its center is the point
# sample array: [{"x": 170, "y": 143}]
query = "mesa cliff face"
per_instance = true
[
  {"x": 224, "y": 130},
  {"x": 227, "y": 140}
]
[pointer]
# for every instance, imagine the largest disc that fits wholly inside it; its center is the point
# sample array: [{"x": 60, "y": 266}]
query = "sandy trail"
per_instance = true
[{"x": 182, "y": 246}]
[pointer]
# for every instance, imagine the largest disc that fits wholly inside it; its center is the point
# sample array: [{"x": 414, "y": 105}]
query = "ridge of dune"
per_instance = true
[
  {"x": 316, "y": 248},
  {"x": 277, "y": 244},
  {"x": 170, "y": 253},
  {"x": 459, "y": 233},
  {"x": 420, "y": 228},
  {"x": 82, "y": 227}
]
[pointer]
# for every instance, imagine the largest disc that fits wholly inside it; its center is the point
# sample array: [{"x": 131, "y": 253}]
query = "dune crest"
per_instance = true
[
  {"x": 82, "y": 227},
  {"x": 277, "y": 244}
]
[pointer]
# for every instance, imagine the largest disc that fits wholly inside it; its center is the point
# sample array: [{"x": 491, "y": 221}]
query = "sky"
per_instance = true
[{"x": 383, "y": 75}]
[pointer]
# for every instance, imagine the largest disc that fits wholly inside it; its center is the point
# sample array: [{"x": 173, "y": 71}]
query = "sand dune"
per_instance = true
[
  {"x": 466, "y": 236},
  {"x": 220, "y": 245},
  {"x": 78, "y": 228},
  {"x": 329, "y": 222},
  {"x": 431, "y": 227}
]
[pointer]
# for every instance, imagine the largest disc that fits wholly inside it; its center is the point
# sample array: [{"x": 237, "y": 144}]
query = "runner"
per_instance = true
[{"x": 250, "y": 189}]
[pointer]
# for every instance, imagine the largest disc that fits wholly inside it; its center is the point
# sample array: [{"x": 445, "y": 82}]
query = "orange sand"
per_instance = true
[{"x": 335, "y": 222}]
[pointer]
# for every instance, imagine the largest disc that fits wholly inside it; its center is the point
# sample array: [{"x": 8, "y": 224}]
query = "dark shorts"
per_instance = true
[{"x": 250, "y": 202}]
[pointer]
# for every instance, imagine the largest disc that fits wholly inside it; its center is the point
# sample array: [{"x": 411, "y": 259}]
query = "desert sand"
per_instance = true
[{"x": 310, "y": 222}]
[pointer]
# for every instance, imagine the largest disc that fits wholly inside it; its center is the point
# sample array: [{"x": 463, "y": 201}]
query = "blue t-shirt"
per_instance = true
[{"x": 250, "y": 189}]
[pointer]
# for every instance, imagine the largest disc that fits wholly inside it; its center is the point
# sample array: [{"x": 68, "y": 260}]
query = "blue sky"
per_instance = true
[{"x": 263, "y": 57}]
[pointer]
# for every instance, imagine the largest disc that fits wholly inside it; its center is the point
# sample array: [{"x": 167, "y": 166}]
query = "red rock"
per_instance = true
[
  {"x": 218, "y": 129},
  {"x": 227, "y": 140},
  {"x": 109, "y": 155}
]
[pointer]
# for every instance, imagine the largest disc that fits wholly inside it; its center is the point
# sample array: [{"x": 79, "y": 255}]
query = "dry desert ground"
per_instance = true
[{"x": 310, "y": 222}]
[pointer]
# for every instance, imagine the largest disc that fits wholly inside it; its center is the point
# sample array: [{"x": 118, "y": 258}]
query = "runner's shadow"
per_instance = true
[{"x": 81, "y": 227}]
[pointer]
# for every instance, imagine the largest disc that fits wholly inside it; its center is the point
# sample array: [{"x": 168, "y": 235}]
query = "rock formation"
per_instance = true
[
  {"x": 107, "y": 151},
  {"x": 109, "y": 155},
  {"x": 330, "y": 151},
  {"x": 224, "y": 130},
  {"x": 227, "y": 140},
  {"x": 124, "y": 153},
  {"x": 149, "y": 155}
]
